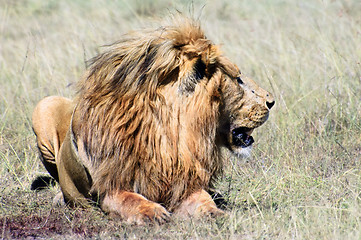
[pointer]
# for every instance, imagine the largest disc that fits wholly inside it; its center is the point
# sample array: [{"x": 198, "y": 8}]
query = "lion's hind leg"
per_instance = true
[
  {"x": 134, "y": 208},
  {"x": 51, "y": 119},
  {"x": 198, "y": 204}
]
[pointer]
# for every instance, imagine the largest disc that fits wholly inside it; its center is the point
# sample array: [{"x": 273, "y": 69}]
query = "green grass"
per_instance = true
[{"x": 303, "y": 180}]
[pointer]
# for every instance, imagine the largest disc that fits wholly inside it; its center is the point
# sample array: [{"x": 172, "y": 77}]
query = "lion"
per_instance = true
[{"x": 143, "y": 136}]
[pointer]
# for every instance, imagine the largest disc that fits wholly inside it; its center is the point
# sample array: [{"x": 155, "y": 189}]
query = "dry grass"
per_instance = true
[{"x": 304, "y": 179}]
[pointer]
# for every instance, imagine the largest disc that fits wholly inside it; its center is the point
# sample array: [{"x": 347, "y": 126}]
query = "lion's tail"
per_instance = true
[{"x": 42, "y": 182}]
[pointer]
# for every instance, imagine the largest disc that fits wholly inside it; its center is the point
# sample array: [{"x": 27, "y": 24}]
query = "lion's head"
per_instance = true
[
  {"x": 155, "y": 109},
  {"x": 245, "y": 107}
]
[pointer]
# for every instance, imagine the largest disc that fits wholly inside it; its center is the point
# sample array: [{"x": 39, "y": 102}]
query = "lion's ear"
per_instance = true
[
  {"x": 228, "y": 67},
  {"x": 199, "y": 62}
]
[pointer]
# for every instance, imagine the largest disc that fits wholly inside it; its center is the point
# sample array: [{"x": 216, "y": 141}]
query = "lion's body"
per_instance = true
[{"x": 148, "y": 123}]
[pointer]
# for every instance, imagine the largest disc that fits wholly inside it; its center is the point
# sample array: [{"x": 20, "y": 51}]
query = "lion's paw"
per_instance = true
[
  {"x": 149, "y": 212},
  {"x": 134, "y": 208},
  {"x": 211, "y": 211},
  {"x": 198, "y": 204}
]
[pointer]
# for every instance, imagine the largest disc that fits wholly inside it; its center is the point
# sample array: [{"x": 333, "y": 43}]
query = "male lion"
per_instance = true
[{"x": 143, "y": 135}]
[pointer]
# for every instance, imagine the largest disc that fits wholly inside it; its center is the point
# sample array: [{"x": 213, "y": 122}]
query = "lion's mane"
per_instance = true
[{"x": 150, "y": 109}]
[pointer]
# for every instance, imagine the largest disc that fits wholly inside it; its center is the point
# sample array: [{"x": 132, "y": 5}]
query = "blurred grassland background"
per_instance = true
[{"x": 303, "y": 180}]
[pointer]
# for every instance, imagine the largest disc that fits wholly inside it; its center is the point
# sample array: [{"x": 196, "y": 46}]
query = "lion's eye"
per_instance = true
[{"x": 239, "y": 80}]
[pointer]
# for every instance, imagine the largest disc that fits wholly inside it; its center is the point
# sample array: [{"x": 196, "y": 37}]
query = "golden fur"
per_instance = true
[{"x": 150, "y": 117}]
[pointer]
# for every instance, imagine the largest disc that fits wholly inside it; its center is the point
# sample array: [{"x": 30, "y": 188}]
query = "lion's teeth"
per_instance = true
[{"x": 249, "y": 132}]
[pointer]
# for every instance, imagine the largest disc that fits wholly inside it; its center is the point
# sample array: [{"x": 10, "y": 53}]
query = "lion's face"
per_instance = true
[{"x": 245, "y": 107}]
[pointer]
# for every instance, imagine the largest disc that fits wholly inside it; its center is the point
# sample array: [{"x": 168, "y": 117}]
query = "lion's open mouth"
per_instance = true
[{"x": 241, "y": 137}]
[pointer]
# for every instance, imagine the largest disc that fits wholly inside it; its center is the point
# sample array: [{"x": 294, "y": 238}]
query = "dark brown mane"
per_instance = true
[{"x": 150, "y": 106}]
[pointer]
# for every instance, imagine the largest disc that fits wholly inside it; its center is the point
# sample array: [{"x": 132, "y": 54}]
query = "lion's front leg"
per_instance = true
[
  {"x": 198, "y": 204},
  {"x": 134, "y": 208}
]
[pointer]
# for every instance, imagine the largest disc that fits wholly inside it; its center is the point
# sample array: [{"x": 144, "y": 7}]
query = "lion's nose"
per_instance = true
[{"x": 270, "y": 104}]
